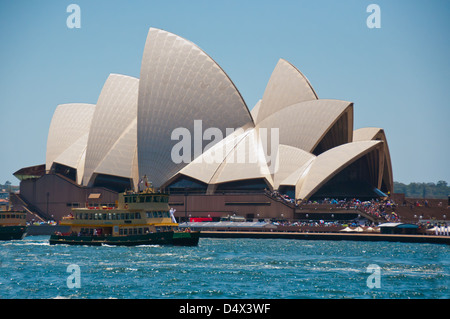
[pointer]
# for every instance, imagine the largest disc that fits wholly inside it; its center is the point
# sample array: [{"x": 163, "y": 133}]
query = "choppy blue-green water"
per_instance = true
[{"x": 225, "y": 268}]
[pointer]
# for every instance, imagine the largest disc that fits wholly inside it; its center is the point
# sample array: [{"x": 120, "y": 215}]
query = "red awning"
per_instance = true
[{"x": 200, "y": 219}]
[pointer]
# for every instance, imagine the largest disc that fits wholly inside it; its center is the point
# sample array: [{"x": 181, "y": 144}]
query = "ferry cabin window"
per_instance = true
[
  {"x": 15, "y": 216},
  {"x": 133, "y": 231},
  {"x": 130, "y": 199},
  {"x": 156, "y": 214},
  {"x": 87, "y": 231}
]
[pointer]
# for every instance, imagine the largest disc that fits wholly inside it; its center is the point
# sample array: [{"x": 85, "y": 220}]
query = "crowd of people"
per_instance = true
[
  {"x": 315, "y": 223},
  {"x": 281, "y": 197},
  {"x": 384, "y": 209}
]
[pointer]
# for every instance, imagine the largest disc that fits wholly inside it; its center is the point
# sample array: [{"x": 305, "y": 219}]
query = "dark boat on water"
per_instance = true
[
  {"x": 141, "y": 218},
  {"x": 12, "y": 225}
]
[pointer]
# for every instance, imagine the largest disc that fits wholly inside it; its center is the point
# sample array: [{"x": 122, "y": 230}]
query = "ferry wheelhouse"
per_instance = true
[{"x": 138, "y": 219}]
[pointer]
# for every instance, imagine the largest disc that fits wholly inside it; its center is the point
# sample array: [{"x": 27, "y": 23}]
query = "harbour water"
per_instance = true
[{"x": 225, "y": 269}]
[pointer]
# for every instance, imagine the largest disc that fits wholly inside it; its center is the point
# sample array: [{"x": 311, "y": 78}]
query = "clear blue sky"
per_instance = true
[{"x": 398, "y": 76}]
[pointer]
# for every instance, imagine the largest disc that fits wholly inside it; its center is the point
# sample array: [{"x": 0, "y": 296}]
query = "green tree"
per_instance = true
[{"x": 423, "y": 190}]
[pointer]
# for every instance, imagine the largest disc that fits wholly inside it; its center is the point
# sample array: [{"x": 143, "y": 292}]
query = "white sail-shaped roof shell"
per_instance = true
[
  {"x": 303, "y": 125},
  {"x": 179, "y": 84},
  {"x": 378, "y": 134},
  {"x": 112, "y": 136},
  {"x": 255, "y": 110},
  {"x": 121, "y": 159},
  {"x": 68, "y": 135},
  {"x": 286, "y": 86},
  {"x": 290, "y": 160},
  {"x": 331, "y": 162},
  {"x": 205, "y": 166},
  {"x": 246, "y": 161}
]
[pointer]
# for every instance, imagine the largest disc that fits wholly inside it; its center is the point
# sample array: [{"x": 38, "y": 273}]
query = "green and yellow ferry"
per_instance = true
[
  {"x": 13, "y": 225},
  {"x": 141, "y": 218}
]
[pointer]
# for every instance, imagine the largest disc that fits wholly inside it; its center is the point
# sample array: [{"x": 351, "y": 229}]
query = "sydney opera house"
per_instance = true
[{"x": 184, "y": 125}]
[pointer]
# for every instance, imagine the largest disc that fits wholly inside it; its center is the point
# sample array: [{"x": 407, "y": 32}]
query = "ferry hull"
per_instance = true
[
  {"x": 12, "y": 232},
  {"x": 161, "y": 238},
  {"x": 186, "y": 238}
]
